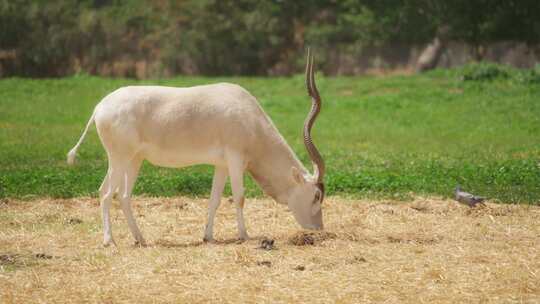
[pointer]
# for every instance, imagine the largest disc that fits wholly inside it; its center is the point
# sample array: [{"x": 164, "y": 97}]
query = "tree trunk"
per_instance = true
[{"x": 430, "y": 56}]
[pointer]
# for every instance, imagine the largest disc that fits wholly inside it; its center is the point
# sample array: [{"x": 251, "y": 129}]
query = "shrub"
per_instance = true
[
  {"x": 484, "y": 72},
  {"x": 531, "y": 76}
]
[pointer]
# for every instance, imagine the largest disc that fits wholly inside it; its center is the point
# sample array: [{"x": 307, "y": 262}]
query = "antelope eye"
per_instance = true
[{"x": 317, "y": 197}]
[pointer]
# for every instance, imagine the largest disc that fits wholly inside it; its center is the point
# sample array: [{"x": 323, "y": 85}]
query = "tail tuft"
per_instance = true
[
  {"x": 73, "y": 152},
  {"x": 71, "y": 156}
]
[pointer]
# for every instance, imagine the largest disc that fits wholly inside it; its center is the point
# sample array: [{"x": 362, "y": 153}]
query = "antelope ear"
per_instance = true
[{"x": 298, "y": 176}]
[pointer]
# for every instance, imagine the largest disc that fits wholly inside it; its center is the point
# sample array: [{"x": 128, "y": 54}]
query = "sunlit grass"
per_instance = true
[{"x": 380, "y": 136}]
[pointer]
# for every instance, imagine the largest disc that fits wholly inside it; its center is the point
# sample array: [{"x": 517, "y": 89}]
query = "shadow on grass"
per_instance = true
[{"x": 172, "y": 244}]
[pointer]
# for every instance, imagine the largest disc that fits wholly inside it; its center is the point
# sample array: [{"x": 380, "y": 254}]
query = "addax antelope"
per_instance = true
[{"x": 218, "y": 124}]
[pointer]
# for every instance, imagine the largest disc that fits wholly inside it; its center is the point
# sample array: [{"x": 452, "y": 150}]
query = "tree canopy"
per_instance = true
[{"x": 212, "y": 37}]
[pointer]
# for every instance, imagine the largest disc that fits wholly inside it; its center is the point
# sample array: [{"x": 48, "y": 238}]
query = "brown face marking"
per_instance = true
[{"x": 321, "y": 188}]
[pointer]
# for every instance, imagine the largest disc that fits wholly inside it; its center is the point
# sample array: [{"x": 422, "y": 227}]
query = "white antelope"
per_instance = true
[{"x": 218, "y": 124}]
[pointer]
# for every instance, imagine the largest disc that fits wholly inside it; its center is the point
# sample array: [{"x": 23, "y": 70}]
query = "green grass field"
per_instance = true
[{"x": 391, "y": 137}]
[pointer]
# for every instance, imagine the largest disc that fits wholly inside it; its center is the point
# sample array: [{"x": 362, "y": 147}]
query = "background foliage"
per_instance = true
[
  {"x": 477, "y": 125},
  {"x": 235, "y": 37}
]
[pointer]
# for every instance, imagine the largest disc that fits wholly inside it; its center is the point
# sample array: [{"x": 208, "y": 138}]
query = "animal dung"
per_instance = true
[
  {"x": 267, "y": 244},
  {"x": 43, "y": 256},
  {"x": 360, "y": 259},
  {"x": 264, "y": 263},
  {"x": 74, "y": 221},
  {"x": 304, "y": 238},
  {"x": 8, "y": 259}
]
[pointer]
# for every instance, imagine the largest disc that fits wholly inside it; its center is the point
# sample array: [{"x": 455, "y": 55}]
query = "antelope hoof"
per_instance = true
[
  {"x": 243, "y": 237},
  {"x": 208, "y": 239},
  {"x": 108, "y": 242}
]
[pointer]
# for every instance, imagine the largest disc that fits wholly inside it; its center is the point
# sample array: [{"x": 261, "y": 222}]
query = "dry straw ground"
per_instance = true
[{"x": 426, "y": 251}]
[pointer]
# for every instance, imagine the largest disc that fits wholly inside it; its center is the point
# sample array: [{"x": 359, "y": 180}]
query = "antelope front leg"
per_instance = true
[
  {"x": 236, "y": 173},
  {"x": 220, "y": 177}
]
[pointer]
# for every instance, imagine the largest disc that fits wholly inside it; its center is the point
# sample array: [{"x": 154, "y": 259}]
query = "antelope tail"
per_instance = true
[{"x": 73, "y": 152}]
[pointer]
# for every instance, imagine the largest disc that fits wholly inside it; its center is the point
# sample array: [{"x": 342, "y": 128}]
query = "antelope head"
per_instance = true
[{"x": 307, "y": 195}]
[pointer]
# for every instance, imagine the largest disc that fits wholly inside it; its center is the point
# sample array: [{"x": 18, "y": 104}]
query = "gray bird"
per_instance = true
[{"x": 467, "y": 198}]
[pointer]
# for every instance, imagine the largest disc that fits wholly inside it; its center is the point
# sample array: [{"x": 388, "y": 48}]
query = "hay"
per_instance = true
[
  {"x": 425, "y": 251},
  {"x": 303, "y": 238}
]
